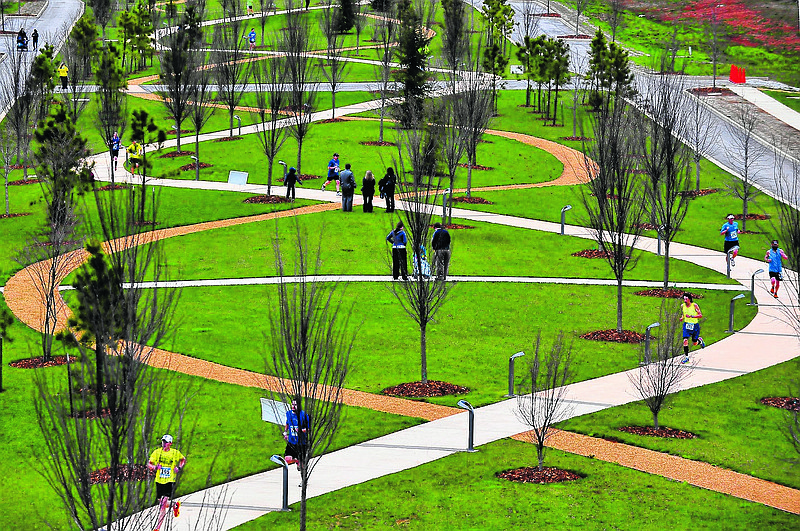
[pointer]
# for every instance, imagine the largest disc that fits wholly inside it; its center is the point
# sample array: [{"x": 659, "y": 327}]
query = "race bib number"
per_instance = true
[
  {"x": 293, "y": 430},
  {"x": 689, "y": 326},
  {"x": 165, "y": 472},
  {"x": 734, "y": 234}
]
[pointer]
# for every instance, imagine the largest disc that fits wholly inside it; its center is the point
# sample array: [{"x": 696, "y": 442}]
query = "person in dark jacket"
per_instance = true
[
  {"x": 348, "y": 184},
  {"x": 441, "y": 251},
  {"x": 291, "y": 180},
  {"x": 386, "y": 187},
  {"x": 399, "y": 240},
  {"x": 368, "y": 190}
]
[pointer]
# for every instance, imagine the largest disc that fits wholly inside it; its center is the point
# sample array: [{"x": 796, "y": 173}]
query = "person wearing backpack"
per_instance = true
[{"x": 348, "y": 186}]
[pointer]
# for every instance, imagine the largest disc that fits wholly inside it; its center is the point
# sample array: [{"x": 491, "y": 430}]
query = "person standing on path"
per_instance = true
[
  {"x": 116, "y": 143},
  {"x": 63, "y": 72},
  {"x": 386, "y": 187},
  {"x": 291, "y": 179},
  {"x": 35, "y": 38},
  {"x": 775, "y": 257},
  {"x": 348, "y": 186},
  {"x": 441, "y": 251},
  {"x": 166, "y": 462},
  {"x": 296, "y": 434},
  {"x": 368, "y": 190},
  {"x": 731, "y": 232},
  {"x": 333, "y": 173},
  {"x": 399, "y": 240},
  {"x": 691, "y": 324}
]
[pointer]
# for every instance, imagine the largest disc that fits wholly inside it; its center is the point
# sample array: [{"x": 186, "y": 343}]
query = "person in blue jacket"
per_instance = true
[{"x": 399, "y": 241}]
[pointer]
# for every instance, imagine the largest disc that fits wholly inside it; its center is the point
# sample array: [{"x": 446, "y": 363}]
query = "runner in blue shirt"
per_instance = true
[
  {"x": 251, "y": 38},
  {"x": 296, "y": 434},
  {"x": 775, "y": 257},
  {"x": 116, "y": 142},
  {"x": 731, "y": 232},
  {"x": 333, "y": 173}
]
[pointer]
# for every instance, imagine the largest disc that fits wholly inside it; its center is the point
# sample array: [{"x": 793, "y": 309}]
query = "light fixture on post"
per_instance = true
[
  {"x": 463, "y": 404},
  {"x": 647, "y": 341},
  {"x": 511, "y": 373},
  {"x": 564, "y": 217},
  {"x": 730, "y": 320},
  {"x": 282, "y": 462},
  {"x": 240, "y": 123},
  {"x": 753, "y": 287}
]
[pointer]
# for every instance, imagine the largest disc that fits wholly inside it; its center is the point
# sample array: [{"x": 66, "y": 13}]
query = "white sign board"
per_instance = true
[
  {"x": 237, "y": 177},
  {"x": 273, "y": 411},
  {"x": 517, "y": 69}
]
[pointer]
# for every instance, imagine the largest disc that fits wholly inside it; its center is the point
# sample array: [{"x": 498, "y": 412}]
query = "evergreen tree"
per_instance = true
[
  {"x": 345, "y": 17},
  {"x": 412, "y": 54}
]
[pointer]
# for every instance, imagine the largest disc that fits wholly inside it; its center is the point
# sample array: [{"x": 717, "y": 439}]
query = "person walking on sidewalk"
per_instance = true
[
  {"x": 348, "y": 186},
  {"x": 441, "y": 251},
  {"x": 333, "y": 173},
  {"x": 399, "y": 240},
  {"x": 296, "y": 434},
  {"x": 731, "y": 232},
  {"x": 368, "y": 190},
  {"x": 166, "y": 462},
  {"x": 291, "y": 180},
  {"x": 775, "y": 257},
  {"x": 691, "y": 325}
]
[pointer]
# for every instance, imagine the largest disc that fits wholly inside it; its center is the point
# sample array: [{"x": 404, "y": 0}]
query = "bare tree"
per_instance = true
[
  {"x": 701, "y": 133},
  {"x": 578, "y": 87},
  {"x": 745, "y": 152},
  {"x": 452, "y": 137},
  {"x": 230, "y": 67},
  {"x": 541, "y": 400},
  {"x": 660, "y": 373},
  {"x": 20, "y": 104},
  {"x": 112, "y": 102},
  {"x": 8, "y": 148},
  {"x": 271, "y": 98},
  {"x": 580, "y": 8},
  {"x": 177, "y": 75},
  {"x": 6, "y": 320},
  {"x": 299, "y": 67},
  {"x": 103, "y": 11},
  {"x": 310, "y": 351},
  {"x": 334, "y": 67},
  {"x": 386, "y": 33},
  {"x": 614, "y": 196},
  {"x": 201, "y": 109},
  {"x": 615, "y": 18},
  {"x": 454, "y": 38},
  {"x": 77, "y": 53},
  {"x": 419, "y": 296},
  {"x": 476, "y": 111},
  {"x": 663, "y": 157},
  {"x": 787, "y": 184},
  {"x": 263, "y": 15},
  {"x": 359, "y": 23},
  {"x": 716, "y": 44}
]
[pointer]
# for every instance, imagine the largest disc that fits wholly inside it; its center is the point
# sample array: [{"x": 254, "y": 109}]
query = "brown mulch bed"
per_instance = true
[
  {"x": 546, "y": 15},
  {"x": 421, "y": 390},
  {"x": 307, "y": 177},
  {"x": 187, "y": 167},
  {"x": 665, "y": 433},
  {"x": 146, "y": 223},
  {"x": 229, "y": 138},
  {"x": 91, "y": 414},
  {"x": 16, "y": 167},
  {"x": 125, "y": 473},
  {"x": 691, "y": 194},
  {"x": 331, "y": 121},
  {"x": 577, "y": 138},
  {"x": 66, "y": 243},
  {"x": 377, "y": 143},
  {"x": 110, "y": 187},
  {"x": 645, "y": 226},
  {"x": 705, "y": 91},
  {"x": 23, "y": 182},
  {"x": 783, "y": 402},
  {"x": 529, "y": 474},
  {"x": 174, "y": 154},
  {"x": 175, "y": 132},
  {"x": 750, "y": 232},
  {"x": 476, "y": 167},
  {"x": 626, "y": 336},
  {"x": 16, "y": 215},
  {"x": 670, "y": 293},
  {"x": 579, "y": 36},
  {"x": 266, "y": 200},
  {"x": 472, "y": 200},
  {"x": 592, "y": 253},
  {"x": 758, "y": 217},
  {"x": 456, "y": 226},
  {"x": 38, "y": 362}
]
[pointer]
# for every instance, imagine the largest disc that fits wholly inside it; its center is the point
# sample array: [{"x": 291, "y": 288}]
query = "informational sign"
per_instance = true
[
  {"x": 273, "y": 411},
  {"x": 517, "y": 69},
  {"x": 237, "y": 177}
]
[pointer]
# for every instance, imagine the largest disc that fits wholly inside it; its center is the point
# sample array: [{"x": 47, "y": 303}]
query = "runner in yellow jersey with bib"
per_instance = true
[
  {"x": 691, "y": 325},
  {"x": 167, "y": 462}
]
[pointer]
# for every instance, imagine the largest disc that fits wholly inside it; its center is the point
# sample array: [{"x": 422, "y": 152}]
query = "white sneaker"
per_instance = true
[{"x": 733, "y": 263}]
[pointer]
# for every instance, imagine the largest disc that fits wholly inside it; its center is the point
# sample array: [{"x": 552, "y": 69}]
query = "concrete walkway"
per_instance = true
[{"x": 768, "y": 104}]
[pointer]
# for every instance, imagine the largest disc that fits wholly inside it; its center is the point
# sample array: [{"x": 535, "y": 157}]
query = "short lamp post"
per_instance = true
[
  {"x": 564, "y": 217},
  {"x": 282, "y": 462},
  {"x": 728, "y": 256},
  {"x": 196, "y": 168},
  {"x": 463, "y": 404},
  {"x": 647, "y": 341},
  {"x": 659, "y": 232},
  {"x": 730, "y": 317},
  {"x": 753, "y": 287},
  {"x": 284, "y": 170},
  {"x": 446, "y": 193},
  {"x": 511, "y": 373},
  {"x": 240, "y": 123}
]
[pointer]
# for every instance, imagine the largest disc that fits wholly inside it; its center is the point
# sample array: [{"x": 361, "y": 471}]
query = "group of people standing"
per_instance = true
[
  {"x": 346, "y": 186},
  {"x": 441, "y": 251}
]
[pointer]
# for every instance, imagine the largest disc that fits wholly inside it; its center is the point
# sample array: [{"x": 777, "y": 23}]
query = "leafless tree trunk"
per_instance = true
[
  {"x": 745, "y": 152},
  {"x": 454, "y": 38},
  {"x": 310, "y": 351},
  {"x": 334, "y": 67},
  {"x": 661, "y": 373},
  {"x": 615, "y": 20},
  {"x": 580, "y": 7},
  {"x": 541, "y": 400},
  {"x": 419, "y": 296},
  {"x": 8, "y": 148},
  {"x": 230, "y": 67},
  {"x": 701, "y": 133},
  {"x": 454, "y": 142},
  {"x": 614, "y": 196},
  {"x": 663, "y": 157},
  {"x": 20, "y": 104},
  {"x": 178, "y": 73},
  {"x": 201, "y": 110},
  {"x": 477, "y": 103},
  {"x": 112, "y": 103},
  {"x": 787, "y": 184},
  {"x": 271, "y": 98},
  {"x": 75, "y": 97}
]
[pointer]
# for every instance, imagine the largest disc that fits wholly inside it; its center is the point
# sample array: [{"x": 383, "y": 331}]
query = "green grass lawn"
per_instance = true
[
  {"x": 790, "y": 99},
  {"x": 469, "y": 343},
  {"x": 734, "y": 430},
  {"x": 223, "y": 417},
  {"x": 462, "y": 492}
]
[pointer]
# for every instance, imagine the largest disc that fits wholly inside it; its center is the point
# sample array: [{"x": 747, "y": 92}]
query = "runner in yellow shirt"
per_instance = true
[
  {"x": 167, "y": 462},
  {"x": 63, "y": 72},
  {"x": 135, "y": 156}
]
